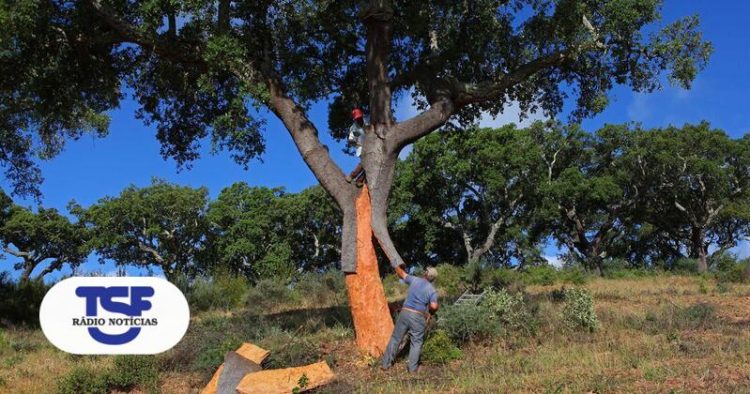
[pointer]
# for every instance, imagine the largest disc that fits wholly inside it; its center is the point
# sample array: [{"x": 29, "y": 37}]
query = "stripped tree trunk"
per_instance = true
[{"x": 372, "y": 321}]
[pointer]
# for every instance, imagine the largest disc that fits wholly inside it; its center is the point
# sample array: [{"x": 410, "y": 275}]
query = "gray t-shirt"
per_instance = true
[{"x": 421, "y": 293}]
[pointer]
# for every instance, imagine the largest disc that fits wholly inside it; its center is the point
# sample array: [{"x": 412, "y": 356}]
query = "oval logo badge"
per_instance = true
[{"x": 114, "y": 315}]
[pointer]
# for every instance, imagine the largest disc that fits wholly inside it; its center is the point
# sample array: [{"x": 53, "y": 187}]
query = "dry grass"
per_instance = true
[{"x": 653, "y": 339}]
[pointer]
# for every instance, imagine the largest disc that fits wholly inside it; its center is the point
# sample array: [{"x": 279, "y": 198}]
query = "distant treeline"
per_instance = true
[{"x": 490, "y": 197}]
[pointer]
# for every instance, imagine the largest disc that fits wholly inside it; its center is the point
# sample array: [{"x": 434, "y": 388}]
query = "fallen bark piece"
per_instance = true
[
  {"x": 248, "y": 351},
  {"x": 235, "y": 368},
  {"x": 211, "y": 386},
  {"x": 253, "y": 353},
  {"x": 286, "y": 380},
  {"x": 372, "y": 321}
]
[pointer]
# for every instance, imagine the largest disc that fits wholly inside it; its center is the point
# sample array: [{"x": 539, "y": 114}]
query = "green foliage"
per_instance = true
[
  {"x": 670, "y": 317},
  {"x": 21, "y": 300},
  {"x": 44, "y": 238},
  {"x": 728, "y": 269},
  {"x": 221, "y": 291},
  {"x": 267, "y": 293},
  {"x": 685, "y": 266},
  {"x": 213, "y": 350},
  {"x": 292, "y": 352},
  {"x": 82, "y": 380},
  {"x": 321, "y": 288},
  {"x": 128, "y": 372},
  {"x": 512, "y": 310},
  {"x": 266, "y": 233},
  {"x": 578, "y": 312},
  {"x": 162, "y": 224},
  {"x": 439, "y": 349},
  {"x": 542, "y": 275},
  {"x": 450, "y": 279},
  {"x": 468, "y": 323}
]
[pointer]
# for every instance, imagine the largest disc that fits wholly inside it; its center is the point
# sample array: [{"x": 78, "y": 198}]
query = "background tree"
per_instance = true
[
  {"x": 312, "y": 226},
  {"x": 159, "y": 225},
  {"x": 697, "y": 181},
  {"x": 248, "y": 233},
  {"x": 472, "y": 192},
  {"x": 195, "y": 67},
  {"x": 590, "y": 192},
  {"x": 43, "y": 239}
]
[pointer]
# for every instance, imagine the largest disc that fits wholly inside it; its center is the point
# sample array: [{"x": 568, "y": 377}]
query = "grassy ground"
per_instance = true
[{"x": 658, "y": 334}]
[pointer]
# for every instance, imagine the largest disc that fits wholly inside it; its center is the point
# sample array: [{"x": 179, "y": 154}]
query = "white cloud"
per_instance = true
[
  {"x": 554, "y": 261},
  {"x": 511, "y": 114}
]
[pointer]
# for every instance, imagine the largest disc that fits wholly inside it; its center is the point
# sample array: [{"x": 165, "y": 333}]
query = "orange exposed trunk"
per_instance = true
[{"x": 372, "y": 321}]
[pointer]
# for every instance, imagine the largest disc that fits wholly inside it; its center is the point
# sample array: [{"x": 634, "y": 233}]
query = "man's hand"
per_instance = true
[
  {"x": 434, "y": 307},
  {"x": 400, "y": 271}
]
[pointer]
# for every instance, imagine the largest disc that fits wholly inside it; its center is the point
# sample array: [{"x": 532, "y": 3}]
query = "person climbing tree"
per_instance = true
[{"x": 357, "y": 138}]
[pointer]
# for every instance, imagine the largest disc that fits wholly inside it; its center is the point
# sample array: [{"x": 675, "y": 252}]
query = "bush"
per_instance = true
[
  {"x": 222, "y": 291},
  {"x": 439, "y": 349},
  {"x": 126, "y": 373},
  {"x": 81, "y": 380},
  {"x": 728, "y": 269},
  {"x": 20, "y": 300},
  {"x": 685, "y": 266},
  {"x": 541, "y": 275},
  {"x": 670, "y": 317},
  {"x": 320, "y": 289},
  {"x": 450, "y": 279},
  {"x": 579, "y": 310},
  {"x": 130, "y": 371},
  {"x": 268, "y": 293},
  {"x": 511, "y": 309},
  {"x": 503, "y": 278},
  {"x": 212, "y": 354},
  {"x": 470, "y": 322}
]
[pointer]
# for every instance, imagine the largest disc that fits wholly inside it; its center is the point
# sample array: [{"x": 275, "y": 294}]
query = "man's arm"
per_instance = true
[
  {"x": 434, "y": 303},
  {"x": 400, "y": 272}
]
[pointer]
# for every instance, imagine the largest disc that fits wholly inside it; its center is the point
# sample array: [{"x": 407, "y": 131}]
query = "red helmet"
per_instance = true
[{"x": 357, "y": 114}]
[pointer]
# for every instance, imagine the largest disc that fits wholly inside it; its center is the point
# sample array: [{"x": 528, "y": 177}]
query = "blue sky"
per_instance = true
[{"x": 89, "y": 169}]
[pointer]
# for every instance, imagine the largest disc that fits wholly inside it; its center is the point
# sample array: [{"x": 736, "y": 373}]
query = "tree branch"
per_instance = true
[{"x": 377, "y": 17}]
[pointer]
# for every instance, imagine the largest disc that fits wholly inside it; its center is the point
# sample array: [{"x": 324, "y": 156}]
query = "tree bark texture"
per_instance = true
[{"x": 372, "y": 321}]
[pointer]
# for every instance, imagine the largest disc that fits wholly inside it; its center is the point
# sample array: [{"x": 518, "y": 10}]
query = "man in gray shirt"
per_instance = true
[{"x": 421, "y": 301}]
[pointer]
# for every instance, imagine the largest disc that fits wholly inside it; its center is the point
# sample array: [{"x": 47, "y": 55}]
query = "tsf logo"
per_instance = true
[
  {"x": 97, "y": 295},
  {"x": 124, "y": 315}
]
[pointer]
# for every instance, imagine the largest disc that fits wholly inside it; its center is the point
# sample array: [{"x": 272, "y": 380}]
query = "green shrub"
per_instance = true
[
  {"x": 81, "y": 380},
  {"x": 728, "y": 268},
  {"x": 130, "y": 371},
  {"x": 473, "y": 273},
  {"x": 579, "y": 310},
  {"x": 450, "y": 279},
  {"x": 574, "y": 275},
  {"x": 222, "y": 291},
  {"x": 503, "y": 278},
  {"x": 127, "y": 373},
  {"x": 511, "y": 310},
  {"x": 21, "y": 300},
  {"x": 670, "y": 317},
  {"x": 212, "y": 354},
  {"x": 320, "y": 289},
  {"x": 541, "y": 275},
  {"x": 292, "y": 352},
  {"x": 268, "y": 293},
  {"x": 439, "y": 349},
  {"x": 685, "y": 266},
  {"x": 469, "y": 322}
]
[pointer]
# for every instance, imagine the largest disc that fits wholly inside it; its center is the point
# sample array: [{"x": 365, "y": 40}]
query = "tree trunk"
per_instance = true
[
  {"x": 373, "y": 325},
  {"x": 699, "y": 251}
]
